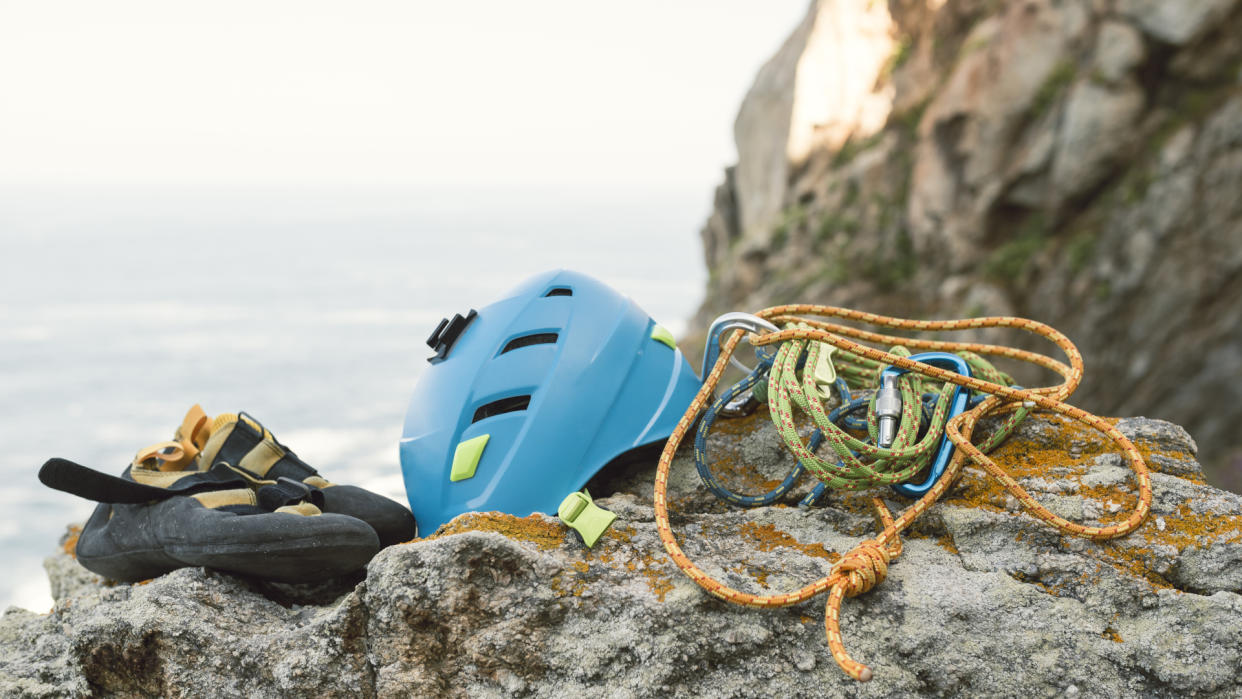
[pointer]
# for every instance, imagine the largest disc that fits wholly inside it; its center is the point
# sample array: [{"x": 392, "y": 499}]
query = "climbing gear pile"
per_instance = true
[
  {"x": 225, "y": 494},
  {"x": 528, "y": 398},
  {"x": 892, "y": 401},
  {"x": 933, "y": 419}
]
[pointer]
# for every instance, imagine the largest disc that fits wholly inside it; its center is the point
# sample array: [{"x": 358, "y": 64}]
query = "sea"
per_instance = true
[{"x": 308, "y": 308}]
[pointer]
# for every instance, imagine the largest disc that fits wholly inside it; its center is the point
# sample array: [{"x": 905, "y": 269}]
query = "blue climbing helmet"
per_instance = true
[{"x": 528, "y": 398}]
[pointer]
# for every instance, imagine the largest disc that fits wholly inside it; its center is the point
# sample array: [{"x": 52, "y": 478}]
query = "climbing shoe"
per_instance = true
[
  {"x": 240, "y": 442},
  {"x": 150, "y": 522}
]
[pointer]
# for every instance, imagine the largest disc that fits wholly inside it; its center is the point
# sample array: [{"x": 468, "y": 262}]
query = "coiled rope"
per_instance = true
[
  {"x": 866, "y": 565},
  {"x": 896, "y": 464}
]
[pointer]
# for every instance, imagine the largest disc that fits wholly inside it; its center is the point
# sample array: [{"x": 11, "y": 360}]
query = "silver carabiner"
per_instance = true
[{"x": 733, "y": 321}]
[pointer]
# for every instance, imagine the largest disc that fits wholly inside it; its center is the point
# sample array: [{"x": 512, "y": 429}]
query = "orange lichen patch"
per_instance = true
[
  {"x": 574, "y": 581},
  {"x": 983, "y": 493},
  {"x": 616, "y": 552},
  {"x": 744, "y": 426},
  {"x": 569, "y": 585},
  {"x": 758, "y": 573},
  {"x": 659, "y": 583},
  {"x": 1183, "y": 530},
  {"x": 725, "y": 461},
  {"x": 858, "y": 503},
  {"x": 1121, "y": 498},
  {"x": 694, "y": 503},
  {"x": 621, "y": 532},
  {"x": 945, "y": 541},
  {"x": 1192, "y": 478},
  {"x": 768, "y": 537},
  {"x": 70, "y": 546},
  {"x": 1111, "y": 634},
  {"x": 1064, "y": 586},
  {"x": 1074, "y": 446},
  {"x": 1072, "y": 452},
  {"x": 1132, "y": 555},
  {"x": 533, "y": 528},
  {"x": 653, "y": 570},
  {"x": 738, "y": 476},
  {"x": 1186, "y": 528},
  {"x": 804, "y": 619}
]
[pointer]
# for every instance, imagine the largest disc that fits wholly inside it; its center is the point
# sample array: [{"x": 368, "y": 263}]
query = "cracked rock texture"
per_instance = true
[
  {"x": 984, "y": 600},
  {"x": 1074, "y": 161}
]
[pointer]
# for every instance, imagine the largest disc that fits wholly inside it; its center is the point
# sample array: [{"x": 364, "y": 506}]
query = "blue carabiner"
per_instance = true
[{"x": 957, "y": 405}]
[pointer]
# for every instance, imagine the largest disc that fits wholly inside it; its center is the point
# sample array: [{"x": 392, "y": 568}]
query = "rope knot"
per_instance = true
[{"x": 864, "y": 567}]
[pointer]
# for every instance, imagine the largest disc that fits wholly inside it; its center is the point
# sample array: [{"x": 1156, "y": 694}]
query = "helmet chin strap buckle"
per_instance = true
[{"x": 581, "y": 514}]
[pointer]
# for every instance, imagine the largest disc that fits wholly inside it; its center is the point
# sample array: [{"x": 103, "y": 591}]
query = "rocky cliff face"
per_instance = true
[
  {"x": 984, "y": 600},
  {"x": 1074, "y": 161}
]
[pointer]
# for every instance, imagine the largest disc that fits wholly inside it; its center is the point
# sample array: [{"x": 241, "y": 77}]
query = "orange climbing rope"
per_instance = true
[{"x": 866, "y": 565}]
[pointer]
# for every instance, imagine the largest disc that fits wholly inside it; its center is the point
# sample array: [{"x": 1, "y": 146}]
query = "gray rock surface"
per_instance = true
[
  {"x": 983, "y": 601},
  {"x": 1074, "y": 161}
]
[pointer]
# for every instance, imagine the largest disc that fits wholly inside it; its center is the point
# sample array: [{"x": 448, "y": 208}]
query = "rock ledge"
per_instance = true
[{"x": 984, "y": 599}]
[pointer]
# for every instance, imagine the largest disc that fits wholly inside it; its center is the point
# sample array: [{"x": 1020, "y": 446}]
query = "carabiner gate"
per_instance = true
[
  {"x": 746, "y": 403},
  {"x": 957, "y": 405},
  {"x": 735, "y": 321}
]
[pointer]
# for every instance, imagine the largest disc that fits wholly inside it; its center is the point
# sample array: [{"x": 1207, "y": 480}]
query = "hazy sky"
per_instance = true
[{"x": 377, "y": 94}]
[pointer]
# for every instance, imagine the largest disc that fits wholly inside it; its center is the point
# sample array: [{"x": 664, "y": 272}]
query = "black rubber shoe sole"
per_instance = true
[{"x": 138, "y": 542}]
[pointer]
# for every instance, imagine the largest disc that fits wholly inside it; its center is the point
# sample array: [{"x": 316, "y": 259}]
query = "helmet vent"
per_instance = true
[
  {"x": 528, "y": 340},
  {"x": 511, "y": 404},
  {"x": 560, "y": 291}
]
